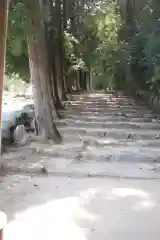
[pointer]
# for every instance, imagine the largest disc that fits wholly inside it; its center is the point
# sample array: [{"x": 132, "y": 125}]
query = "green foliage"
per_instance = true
[
  {"x": 14, "y": 85},
  {"x": 108, "y": 50},
  {"x": 18, "y": 27},
  {"x": 128, "y": 52},
  {"x": 144, "y": 46},
  {"x": 122, "y": 48}
]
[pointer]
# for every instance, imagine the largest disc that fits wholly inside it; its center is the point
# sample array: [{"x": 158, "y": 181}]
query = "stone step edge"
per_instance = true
[{"x": 117, "y": 170}]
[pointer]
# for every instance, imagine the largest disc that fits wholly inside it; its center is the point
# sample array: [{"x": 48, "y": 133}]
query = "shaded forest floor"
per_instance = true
[{"x": 106, "y": 166}]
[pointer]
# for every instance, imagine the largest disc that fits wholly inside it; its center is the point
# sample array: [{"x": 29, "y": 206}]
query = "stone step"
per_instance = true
[
  {"x": 109, "y": 111},
  {"x": 108, "y": 153},
  {"x": 106, "y": 103},
  {"x": 147, "y": 118},
  {"x": 110, "y": 130},
  {"x": 107, "y": 107},
  {"x": 108, "y": 141},
  {"x": 81, "y": 169},
  {"x": 126, "y": 114},
  {"x": 110, "y": 118},
  {"x": 115, "y": 134},
  {"x": 107, "y": 124}
]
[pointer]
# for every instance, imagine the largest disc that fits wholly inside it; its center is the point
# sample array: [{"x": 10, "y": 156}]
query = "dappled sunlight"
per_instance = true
[
  {"x": 81, "y": 209},
  {"x": 144, "y": 205},
  {"x": 141, "y": 199},
  {"x": 93, "y": 95},
  {"x": 54, "y": 219},
  {"x": 125, "y": 192}
]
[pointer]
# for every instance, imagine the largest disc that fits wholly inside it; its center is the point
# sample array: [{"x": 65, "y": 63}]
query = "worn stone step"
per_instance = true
[
  {"x": 107, "y": 124},
  {"x": 110, "y": 118},
  {"x": 110, "y": 130},
  {"x": 106, "y": 141},
  {"x": 107, "y": 107},
  {"x": 111, "y": 133},
  {"x": 109, "y": 153},
  {"x": 81, "y": 169},
  {"x": 109, "y": 111},
  {"x": 106, "y": 103}
]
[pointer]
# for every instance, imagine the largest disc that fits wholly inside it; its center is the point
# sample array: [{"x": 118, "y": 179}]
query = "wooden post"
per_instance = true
[
  {"x": 3, "y": 34},
  {"x": 3, "y": 221}
]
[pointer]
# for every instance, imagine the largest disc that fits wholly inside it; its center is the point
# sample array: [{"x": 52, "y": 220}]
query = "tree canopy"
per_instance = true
[
  {"x": 103, "y": 35},
  {"x": 118, "y": 41}
]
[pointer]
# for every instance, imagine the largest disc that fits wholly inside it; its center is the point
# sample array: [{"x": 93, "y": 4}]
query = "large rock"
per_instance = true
[
  {"x": 20, "y": 135},
  {"x": 13, "y": 116}
]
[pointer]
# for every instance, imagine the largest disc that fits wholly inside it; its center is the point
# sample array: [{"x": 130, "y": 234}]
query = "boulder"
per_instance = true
[
  {"x": 11, "y": 118},
  {"x": 20, "y": 135}
]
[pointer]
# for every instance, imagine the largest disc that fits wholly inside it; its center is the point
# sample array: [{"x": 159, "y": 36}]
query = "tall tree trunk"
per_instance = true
[
  {"x": 130, "y": 17},
  {"x": 64, "y": 19},
  {"x": 77, "y": 81},
  {"x": 83, "y": 83},
  {"x": 52, "y": 69},
  {"x": 59, "y": 104},
  {"x": 65, "y": 14},
  {"x": 39, "y": 66},
  {"x": 90, "y": 79},
  {"x": 60, "y": 48},
  {"x": 52, "y": 48},
  {"x": 3, "y": 34}
]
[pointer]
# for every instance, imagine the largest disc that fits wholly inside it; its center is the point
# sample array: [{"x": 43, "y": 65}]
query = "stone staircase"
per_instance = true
[{"x": 109, "y": 135}]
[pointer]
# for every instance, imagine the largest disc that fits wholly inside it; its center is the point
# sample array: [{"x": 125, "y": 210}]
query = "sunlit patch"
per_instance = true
[
  {"x": 125, "y": 192},
  {"x": 147, "y": 204},
  {"x": 55, "y": 219},
  {"x": 111, "y": 198},
  {"x": 107, "y": 141},
  {"x": 76, "y": 103},
  {"x": 88, "y": 195},
  {"x": 96, "y": 95},
  {"x": 87, "y": 215},
  {"x": 143, "y": 205},
  {"x": 88, "y": 102},
  {"x": 141, "y": 200}
]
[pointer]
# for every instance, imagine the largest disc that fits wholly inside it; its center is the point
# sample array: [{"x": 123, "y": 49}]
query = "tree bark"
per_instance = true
[
  {"x": 59, "y": 104},
  {"x": 52, "y": 60},
  {"x": 65, "y": 14},
  {"x": 40, "y": 76},
  {"x": 3, "y": 35},
  {"x": 60, "y": 49},
  {"x": 52, "y": 48},
  {"x": 65, "y": 18},
  {"x": 77, "y": 81},
  {"x": 52, "y": 70},
  {"x": 130, "y": 17},
  {"x": 83, "y": 83},
  {"x": 90, "y": 79}
]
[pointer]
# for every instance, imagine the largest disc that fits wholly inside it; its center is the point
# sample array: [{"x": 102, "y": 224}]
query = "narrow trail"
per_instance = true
[{"x": 101, "y": 183}]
